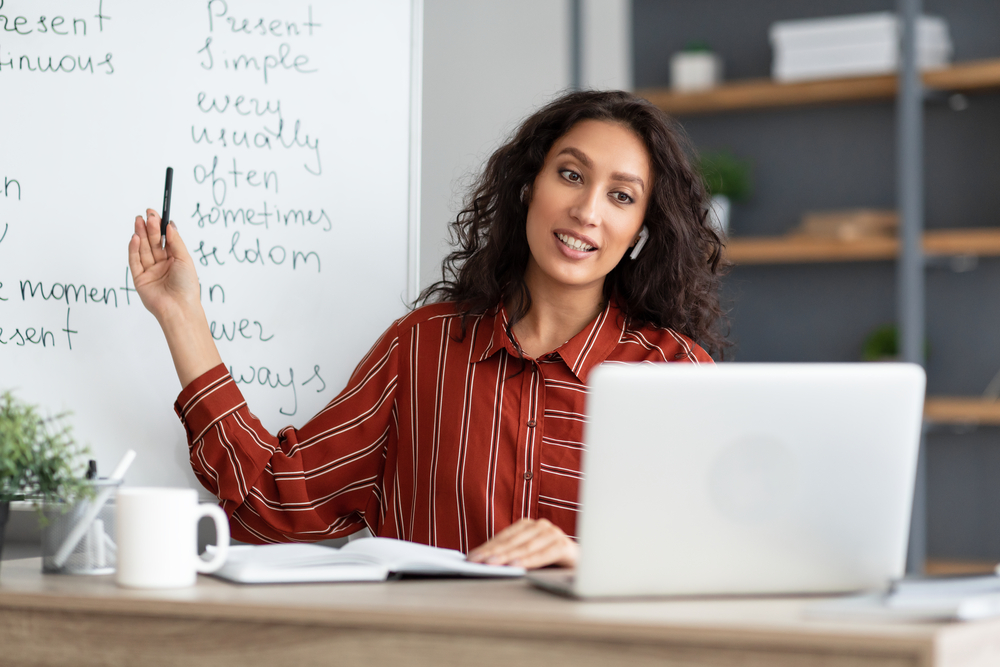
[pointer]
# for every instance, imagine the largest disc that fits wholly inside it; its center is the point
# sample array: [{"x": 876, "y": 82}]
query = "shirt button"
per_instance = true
[
  {"x": 531, "y": 423},
  {"x": 528, "y": 475}
]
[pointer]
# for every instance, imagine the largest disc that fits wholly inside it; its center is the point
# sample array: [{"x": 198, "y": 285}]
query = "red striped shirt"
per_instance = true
[{"x": 437, "y": 438}]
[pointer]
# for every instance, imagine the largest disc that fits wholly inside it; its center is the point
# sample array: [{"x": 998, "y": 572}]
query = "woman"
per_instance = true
[{"x": 584, "y": 241}]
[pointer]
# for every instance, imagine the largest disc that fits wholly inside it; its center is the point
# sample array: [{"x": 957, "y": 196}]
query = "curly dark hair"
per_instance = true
[{"x": 675, "y": 280}]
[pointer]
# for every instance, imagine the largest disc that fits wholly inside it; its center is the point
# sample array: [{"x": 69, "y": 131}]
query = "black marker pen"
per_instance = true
[{"x": 165, "y": 218}]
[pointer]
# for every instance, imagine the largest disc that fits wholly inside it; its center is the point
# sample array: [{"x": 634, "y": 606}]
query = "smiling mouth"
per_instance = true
[{"x": 574, "y": 243}]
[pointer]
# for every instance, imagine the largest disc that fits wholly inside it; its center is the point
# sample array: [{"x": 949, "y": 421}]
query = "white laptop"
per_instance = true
[{"x": 744, "y": 479}]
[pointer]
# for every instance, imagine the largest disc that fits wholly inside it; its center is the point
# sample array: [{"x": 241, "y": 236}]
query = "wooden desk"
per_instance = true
[{"x": 62, "y": 620}]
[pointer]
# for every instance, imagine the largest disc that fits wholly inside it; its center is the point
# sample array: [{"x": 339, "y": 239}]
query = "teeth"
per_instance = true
[{"x": 573, "y": 243}]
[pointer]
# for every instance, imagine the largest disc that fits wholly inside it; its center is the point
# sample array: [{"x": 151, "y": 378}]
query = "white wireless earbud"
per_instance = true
[{"x": 643, "y": 236}]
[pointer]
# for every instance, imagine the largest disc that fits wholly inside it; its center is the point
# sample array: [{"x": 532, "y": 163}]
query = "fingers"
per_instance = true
[
  {"x": 134, "y": 262},
  {"x": 143, "y": 250},
  {"x": 175, "y": 245},
  {"x": 528, "y": 543},
  {"x": 153, "y": 232}
]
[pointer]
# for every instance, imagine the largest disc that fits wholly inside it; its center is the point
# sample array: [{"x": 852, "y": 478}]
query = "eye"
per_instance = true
[
  {"x": 622, "y": 198},
  {"x": 571, "y": 176}
]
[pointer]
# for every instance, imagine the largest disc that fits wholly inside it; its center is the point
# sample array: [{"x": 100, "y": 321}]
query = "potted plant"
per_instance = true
[
  {"x": 728, "y": 180},
  {"x": 39, "y": 460}
]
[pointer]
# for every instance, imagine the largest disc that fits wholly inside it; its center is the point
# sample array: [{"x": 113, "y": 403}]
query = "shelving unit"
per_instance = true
[{"x": 968, "y": 77}]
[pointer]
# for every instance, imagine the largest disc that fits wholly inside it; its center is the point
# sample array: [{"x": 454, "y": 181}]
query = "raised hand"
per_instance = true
[
  {"x": 165, "y": 278},
  {"x": 530, "y": 544},
  {"x": 167, "y": 283}
]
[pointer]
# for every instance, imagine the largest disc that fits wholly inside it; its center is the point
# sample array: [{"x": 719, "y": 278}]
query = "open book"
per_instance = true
[{"x": 368, "y": 559}]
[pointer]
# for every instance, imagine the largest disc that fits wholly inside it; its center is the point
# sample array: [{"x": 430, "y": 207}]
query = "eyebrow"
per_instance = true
[{"x": 589, "y": 164}]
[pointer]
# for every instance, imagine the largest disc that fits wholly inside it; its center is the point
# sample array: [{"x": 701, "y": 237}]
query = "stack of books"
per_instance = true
[{"x": 856, "y": 45}]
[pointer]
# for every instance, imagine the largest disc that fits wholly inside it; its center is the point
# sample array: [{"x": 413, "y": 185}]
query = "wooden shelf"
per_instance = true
[
  {"x": 953, "y": 410},
  {"x": 950, "y": 566},
  {"x": 795, "y": 249},
  {"x": 765, "y": 93}
]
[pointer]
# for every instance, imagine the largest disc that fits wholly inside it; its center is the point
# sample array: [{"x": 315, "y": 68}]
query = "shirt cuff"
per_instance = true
[{"x": 206, "y": 400}]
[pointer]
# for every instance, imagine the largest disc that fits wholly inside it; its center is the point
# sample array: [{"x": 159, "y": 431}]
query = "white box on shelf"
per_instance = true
[
  {"x": 858, "y": 45},
  {"x": 859, "y": 60}
]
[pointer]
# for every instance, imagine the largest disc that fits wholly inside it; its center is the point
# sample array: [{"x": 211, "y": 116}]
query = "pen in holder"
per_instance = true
[{"x": 96, "y": 551}]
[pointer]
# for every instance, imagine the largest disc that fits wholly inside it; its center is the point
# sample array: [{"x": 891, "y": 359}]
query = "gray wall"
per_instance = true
[
  {"x": 840, "y": 157},
  {"x": 487, "y": 65}
]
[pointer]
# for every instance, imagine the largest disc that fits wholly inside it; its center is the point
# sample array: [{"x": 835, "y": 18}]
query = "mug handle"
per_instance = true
[{"x": 221, "y": 538}]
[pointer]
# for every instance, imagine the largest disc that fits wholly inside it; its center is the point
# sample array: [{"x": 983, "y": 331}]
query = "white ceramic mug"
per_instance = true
[{"x": 158, "y": 537}]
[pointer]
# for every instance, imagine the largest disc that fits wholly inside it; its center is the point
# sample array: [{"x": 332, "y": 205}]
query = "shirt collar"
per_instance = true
[{"x": 581, "y": 353}]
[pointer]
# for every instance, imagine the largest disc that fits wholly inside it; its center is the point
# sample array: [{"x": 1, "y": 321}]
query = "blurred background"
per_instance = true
[{"x": 802, "y": 136}]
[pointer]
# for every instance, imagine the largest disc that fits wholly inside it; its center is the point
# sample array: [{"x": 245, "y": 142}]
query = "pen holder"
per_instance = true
[{"x": 96, "y": 552}]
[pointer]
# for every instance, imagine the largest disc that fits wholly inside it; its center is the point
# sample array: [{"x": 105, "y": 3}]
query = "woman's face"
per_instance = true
[{"x": 587, "y": 206}]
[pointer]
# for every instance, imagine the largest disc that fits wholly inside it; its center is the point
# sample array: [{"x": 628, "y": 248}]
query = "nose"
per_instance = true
[{"x": 586, "y": 208}]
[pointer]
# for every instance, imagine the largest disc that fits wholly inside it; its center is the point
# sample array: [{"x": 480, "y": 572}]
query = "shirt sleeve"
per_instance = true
[{"x": 314, "y": 483}]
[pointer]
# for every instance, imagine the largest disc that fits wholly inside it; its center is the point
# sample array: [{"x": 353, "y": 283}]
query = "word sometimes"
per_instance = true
[
  {"x": 219, "y": 9},
  {"x": 266, "y": 218},
  {"x": 66, "y": 64},
  {"x": 220, "y": 179},
  {"x": 280, "y": 61},
  {"x": 56, "y": 25},
  {"x": 34, "y": 336},
  {"x": 265, "y": 138},
  {"x": 277, "y": 255},
  {"x": 243, "y": 329},
  {"x": 8, "y": 185},
  {"x": 265, "y": 377}
]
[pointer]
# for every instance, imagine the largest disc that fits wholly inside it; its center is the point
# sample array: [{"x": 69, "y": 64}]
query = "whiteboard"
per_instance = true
[{"x": 293, "y": 132}]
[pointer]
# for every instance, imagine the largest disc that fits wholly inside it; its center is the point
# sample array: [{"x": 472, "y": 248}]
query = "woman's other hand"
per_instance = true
[
  {"x": 530, "y": 544},
  {"x": 167, "y": 283}
]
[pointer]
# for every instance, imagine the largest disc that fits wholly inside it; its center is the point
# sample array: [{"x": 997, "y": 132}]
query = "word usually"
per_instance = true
[
  {"x": 287, "y": 217},
  {"x": 273, "y": 27},
  {"x": 54, "y": 24},
  {"x": 277, "y": 255},
  {"x": 237, "y": 105},
  {"x": 264, "y": 179},
  {"x": 270, "y": 61},
  {"x": 8, "y": 183},
  {"x": 67, "y": 64},
  {"x": 36, "y": 336},
  {"x": 263, "y": 376},
  {"x": 239, "y": 329},
  {"x": 265, "y": 138}
]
